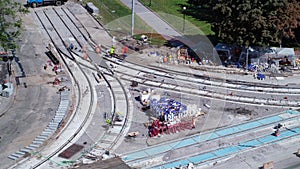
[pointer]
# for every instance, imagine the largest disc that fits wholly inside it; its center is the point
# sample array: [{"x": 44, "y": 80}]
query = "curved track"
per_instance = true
[
  {"x": 132, "y": 71},
  {"x": 211, "y": 87},
  {"x": 67, "y": 18},
  {"x": 210, "y": 81},
  {"x": 207, "y": 88},
  {"x": 62, "y": 30},
  {"x": 84, "y": 89},
  {"x": 68, "y": 27},
  {"x": 145, "y": 76}
]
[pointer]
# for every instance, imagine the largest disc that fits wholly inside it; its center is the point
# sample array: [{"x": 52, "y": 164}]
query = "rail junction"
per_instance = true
[{"x": 97, "y": 79}]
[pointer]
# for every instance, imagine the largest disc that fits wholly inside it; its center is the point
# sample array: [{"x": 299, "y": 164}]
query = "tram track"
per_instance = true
[
  {"x": 225, "y": 153},
  {"x": 275, "y": 86},
  {"x": 259, "y": 89},
  {"x": 90, "y": 43},
  {"x": 81, "y": 90},
  {"x": 171, "y": 83},
  {"x": 234, "y": 82},
  {"x": 237, "y": 82},
  {"x": 263, "y": 86},
  {"x": 208, "y": 141},
  {"x": 203, "y": 80},
  {"x": 226, "y": 84},
  {"x": 59, "y": 41}
]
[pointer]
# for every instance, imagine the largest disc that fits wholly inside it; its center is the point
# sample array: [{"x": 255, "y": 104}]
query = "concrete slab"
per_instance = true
[
  {"x": 26, "y": 150},
  {"x": 201, "y": 158},
  {"x": 226, "y": 151}
]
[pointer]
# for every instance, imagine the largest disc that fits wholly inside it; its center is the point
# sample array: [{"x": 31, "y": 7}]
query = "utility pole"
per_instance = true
[
  {"x": 132, "y": 19},
  {"x": 183, "y": 10}
]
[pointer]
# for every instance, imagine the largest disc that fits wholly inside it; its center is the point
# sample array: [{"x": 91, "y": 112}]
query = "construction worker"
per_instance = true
[
  {"x": 83, "y": 49},
  {"x": 112, "y": 51},
  {"x": 71, "y": 46},
  {"x": 98, "y": 49},
  {"x": 124, "y": 51}
]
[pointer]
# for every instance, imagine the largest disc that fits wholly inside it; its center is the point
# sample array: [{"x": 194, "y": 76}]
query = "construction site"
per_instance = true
[{"x": 76, "y": 96}]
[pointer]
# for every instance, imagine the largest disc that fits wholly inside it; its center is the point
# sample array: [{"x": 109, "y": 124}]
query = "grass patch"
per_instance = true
[
  {"x": 116, "y": 17},
  {"x": 154, "y": 38},
  {"x": 172, "y": 12},
  {"x": 109, "y": 10}
]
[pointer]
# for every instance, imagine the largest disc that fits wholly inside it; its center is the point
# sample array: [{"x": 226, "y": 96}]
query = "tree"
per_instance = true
[
  {"x": 252, "y": 22},
  {"x": 10, "y": 23},
  {"x": 287, "y": 20}
]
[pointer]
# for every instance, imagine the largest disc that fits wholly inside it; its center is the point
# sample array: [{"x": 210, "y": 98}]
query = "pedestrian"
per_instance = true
[{"x": 45, "y": 67}]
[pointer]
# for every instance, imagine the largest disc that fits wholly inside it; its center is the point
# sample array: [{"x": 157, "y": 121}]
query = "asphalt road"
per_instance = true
[{"x": 150, "y": 18}]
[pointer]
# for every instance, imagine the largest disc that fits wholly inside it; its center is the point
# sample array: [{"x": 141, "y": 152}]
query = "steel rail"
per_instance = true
[
  {"x": 260, "y": 88},
  {"x": 209, "y": 94},
  {"x": 89, "y": 40},
  {"x": 79, "y": 97},
  {"x": 230, "y": 154},
  {"x": 71, "y": 31},
  {"x": 231, "y": 135}
]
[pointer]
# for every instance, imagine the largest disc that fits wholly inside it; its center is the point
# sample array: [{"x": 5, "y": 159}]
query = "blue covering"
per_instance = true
[
  {"x": 169, "y": 107},
  {"x": 260, "y": 76}
]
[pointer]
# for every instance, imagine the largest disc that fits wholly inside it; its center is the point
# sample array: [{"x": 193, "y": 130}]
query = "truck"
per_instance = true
[{"x": 35, "y": 3}]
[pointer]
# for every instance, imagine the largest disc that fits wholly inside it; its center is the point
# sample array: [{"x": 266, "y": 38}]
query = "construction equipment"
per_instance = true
[{"x": 35, "y": 3}]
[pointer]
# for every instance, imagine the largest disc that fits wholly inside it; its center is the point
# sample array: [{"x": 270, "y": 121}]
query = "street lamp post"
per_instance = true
[
  {"x": 184, "y": 8},
  {"x": 132, "y": 18}
]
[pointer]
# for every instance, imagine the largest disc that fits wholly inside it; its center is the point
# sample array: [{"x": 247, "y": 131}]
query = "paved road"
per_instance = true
[{"x": 152, "y": 19}]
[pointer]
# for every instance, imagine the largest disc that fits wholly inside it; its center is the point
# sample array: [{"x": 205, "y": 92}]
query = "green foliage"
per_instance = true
[
  {"x": 251, "y": 22},
  {"x": 116, "y": 17},
  {"x": 10, "y": 23},
  {"x": 167, "y": 9},
  {"x": 110, "y": 9}
]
